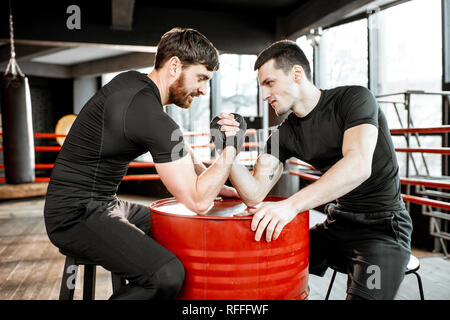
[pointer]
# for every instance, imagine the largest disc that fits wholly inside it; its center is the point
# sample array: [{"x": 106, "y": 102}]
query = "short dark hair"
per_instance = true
[
  {"x": 286, "y": 54},
  {"x": 190, "y": 46}
]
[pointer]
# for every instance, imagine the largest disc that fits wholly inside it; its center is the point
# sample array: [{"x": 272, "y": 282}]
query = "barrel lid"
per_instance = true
[{"x": 223, "y": 208}]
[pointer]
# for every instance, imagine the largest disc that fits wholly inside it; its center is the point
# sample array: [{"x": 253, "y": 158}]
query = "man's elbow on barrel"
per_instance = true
[
  {"x": 252, "y": 200},
  {"x": 200, "y": 207},
  {"x": 251, "y": 204}
]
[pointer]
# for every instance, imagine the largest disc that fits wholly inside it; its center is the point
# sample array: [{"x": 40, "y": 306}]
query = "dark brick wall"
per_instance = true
[{"x": 50, "y": 99}]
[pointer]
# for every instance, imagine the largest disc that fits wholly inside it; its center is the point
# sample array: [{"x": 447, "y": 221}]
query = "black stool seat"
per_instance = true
[
  {"x": 412, "y": 267},
  {"x": 80, "y": 260},
  {"x": 70, "y": 274}
]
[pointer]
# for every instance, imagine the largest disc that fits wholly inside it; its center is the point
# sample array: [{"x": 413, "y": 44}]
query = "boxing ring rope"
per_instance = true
[
  {"x": 211, "y": 146},
  {"x": 440, "y": 129},
  {"x": 426, "y": 183},
  {"x": 442, "y": 150},
  {"x": 426, "y": 202},
  {"x": 134, "y": 177},
  {"x": 301, "y": 163},
  {"x": 406, "y": 197},
  {"x": 407, "y": 181},
  {"x": 430, "y": 130},
  {"x": 415, "y": 182}
]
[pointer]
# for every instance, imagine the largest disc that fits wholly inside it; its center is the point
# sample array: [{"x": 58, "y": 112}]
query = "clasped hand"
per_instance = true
[
  {"x": 228, "y": 130},
  {"x": 272, "y": 217}
]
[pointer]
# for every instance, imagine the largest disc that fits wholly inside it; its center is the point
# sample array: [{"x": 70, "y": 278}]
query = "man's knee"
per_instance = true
[
  {"x": 352, "y": 296},
  {"x": 318, "y": 268},
  {"x": 169, "y": 279}
]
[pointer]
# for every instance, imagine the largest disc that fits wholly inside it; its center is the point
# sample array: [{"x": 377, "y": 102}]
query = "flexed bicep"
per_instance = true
[{"x": 180, "y": 179}]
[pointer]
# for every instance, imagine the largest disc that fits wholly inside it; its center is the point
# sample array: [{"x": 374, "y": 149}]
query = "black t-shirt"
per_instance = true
[
  {"x": 317, "y": 139},
  {"x": 122, "y": 121}
]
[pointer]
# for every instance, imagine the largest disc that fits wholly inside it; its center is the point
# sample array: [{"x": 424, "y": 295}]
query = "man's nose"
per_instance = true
[
  {"x": 203, "y": 89},
  {"x": 265, "y": 94}
]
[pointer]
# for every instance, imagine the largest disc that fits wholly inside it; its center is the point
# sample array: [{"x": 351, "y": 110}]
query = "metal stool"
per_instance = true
[
  {"x": 71, "y": 269},
  {"x": 412, "y": 267}
]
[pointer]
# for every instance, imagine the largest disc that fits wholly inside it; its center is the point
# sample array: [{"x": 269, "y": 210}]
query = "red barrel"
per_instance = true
[{"x": 223, "y": 261}]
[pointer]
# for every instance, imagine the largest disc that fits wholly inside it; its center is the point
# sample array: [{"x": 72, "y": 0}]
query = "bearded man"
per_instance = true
[{"x": 122, "y": 121}]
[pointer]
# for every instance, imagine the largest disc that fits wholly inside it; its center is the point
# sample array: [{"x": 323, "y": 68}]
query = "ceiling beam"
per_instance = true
[
  {"x": 26, "y": 52},
  {"x": 113, "y": 64},
  {"x": 68, "y": 44},
  {"x": 315, "y": 14},
  {"x": 86, "y": 69},
  {"x": 45, "y": 70},
  {"x": 122, "y": 14}
]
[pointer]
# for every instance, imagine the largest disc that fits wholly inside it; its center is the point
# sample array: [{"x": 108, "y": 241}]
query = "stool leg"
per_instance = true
[
  {"x": 331, "y": 285},
  {"x": 117, "y": 281},
  {"x": 419, "y": 282},
  {"x": 89, "y": 282},
  {"x": 68, "y": 279}
]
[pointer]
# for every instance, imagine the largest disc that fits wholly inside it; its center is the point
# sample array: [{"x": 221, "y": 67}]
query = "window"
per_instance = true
[
  {"x": 343, "y": 55},
  {"x": 409, "y": 54},
  {"x": 411, "y": 46},
  {"x": 308, "y": 50},
  {"x": 238, "y": 84},
  {"x": 410, "y": 58}
]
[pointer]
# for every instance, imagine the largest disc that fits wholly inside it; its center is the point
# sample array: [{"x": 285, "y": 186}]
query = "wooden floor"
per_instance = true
[{"x": 31, "y": 267}]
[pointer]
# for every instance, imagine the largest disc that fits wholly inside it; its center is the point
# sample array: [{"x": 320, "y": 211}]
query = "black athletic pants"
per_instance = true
[
  {"x": 116, "y": 235},
  {"x": 373, "y": 249}
]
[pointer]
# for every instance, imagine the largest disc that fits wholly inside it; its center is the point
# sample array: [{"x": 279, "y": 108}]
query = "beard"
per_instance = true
[{"x": 179, "y": 95}]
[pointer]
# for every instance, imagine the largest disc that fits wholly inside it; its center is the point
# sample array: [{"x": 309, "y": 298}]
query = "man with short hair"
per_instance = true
[
  {"x": 123, "y": 120},
  {"x": 343, "y": 133}
]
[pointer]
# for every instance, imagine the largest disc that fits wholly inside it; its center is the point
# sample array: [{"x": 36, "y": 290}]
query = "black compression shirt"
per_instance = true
[
  {"x": 122, "y": 121},
  {"x": 317, "y": 139}
]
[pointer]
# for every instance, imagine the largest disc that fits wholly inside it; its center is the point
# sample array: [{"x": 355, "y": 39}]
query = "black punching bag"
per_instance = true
[{"x": 18, "y": 143}]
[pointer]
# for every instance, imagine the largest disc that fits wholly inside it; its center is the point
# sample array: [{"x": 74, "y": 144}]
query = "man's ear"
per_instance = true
[
  {"x": 297, "y": 73},
  {"x": 175, "y": 66}
]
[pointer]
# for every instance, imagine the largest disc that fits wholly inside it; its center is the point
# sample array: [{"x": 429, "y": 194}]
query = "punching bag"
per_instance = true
[{"x": 18, "y": 142}]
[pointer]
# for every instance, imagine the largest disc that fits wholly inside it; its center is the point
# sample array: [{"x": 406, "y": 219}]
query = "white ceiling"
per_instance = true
[{"x": 78, "y": 55}]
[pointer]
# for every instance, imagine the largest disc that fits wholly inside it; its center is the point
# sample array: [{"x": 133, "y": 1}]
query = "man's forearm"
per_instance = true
[
  {"x": 245, "y": 183},
  {"x": 254, "y": 188},
  {"x": 339, "y": 180},
  {"x": 210, "y": 181}
]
